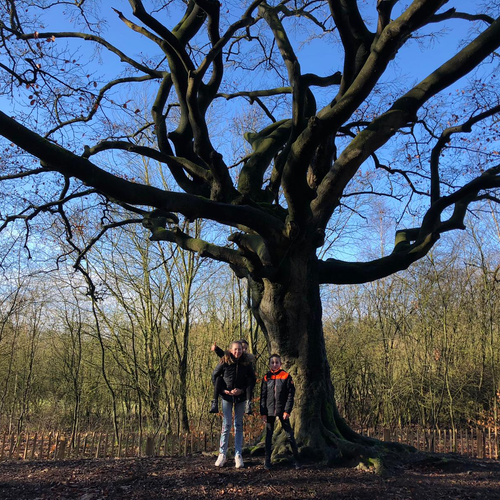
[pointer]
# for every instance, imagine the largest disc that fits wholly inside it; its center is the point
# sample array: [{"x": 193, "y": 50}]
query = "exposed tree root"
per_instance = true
[{"x": 326, "y": 447}]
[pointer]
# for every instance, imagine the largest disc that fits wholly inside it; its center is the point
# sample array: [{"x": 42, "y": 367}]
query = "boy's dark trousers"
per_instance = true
[
  {"x": 285, "y": 424},
  {"x": 219, "y": 387}
]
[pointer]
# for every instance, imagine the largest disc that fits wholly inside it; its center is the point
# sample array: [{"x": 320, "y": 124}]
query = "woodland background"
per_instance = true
[{"x": 418, "y": 349}]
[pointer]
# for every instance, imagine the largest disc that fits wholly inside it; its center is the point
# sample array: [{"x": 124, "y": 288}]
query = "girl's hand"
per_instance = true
[
  {"x": 286, "y": 416},
  {"x": 234, "y": 392}
]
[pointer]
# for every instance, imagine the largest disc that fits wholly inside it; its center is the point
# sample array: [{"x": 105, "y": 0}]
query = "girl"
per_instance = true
[
  {"x": 219, "y": 382},
  {"x": 239, "y": 378}
]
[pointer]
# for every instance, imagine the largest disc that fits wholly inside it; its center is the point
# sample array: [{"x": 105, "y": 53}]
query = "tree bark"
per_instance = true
[{"x": 291, "y": 310}]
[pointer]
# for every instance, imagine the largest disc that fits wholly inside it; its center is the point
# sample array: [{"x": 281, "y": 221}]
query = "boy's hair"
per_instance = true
[
  {"x": 275, "y": 356},
  {"x": 243, "y": 341}
]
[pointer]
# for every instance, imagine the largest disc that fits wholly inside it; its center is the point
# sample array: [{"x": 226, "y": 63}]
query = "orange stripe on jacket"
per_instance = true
[{"x": 280, "y": 376}]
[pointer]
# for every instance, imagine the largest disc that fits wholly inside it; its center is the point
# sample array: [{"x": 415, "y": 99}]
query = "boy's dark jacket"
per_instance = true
[
  {"x": 276, "y": 393},
  {"x": 239, "y": 375}
]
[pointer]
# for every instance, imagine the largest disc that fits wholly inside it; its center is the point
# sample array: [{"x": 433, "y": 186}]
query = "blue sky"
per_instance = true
[{"x": 412, "y": 64}]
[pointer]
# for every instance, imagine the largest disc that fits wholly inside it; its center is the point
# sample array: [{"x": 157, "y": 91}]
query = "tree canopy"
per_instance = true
[{"x": 303, "y": 159}]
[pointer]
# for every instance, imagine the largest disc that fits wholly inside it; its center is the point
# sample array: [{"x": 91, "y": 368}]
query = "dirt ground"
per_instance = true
[{"x": 195, "y": 477}]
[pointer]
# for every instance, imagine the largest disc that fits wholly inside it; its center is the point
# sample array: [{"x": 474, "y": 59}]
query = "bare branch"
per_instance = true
[
  {"x": 82, "y": 253},
  {"x": 97, "y": 102},
  {"x": 201, "y": 247},
  {"x": 443, "y": 141},
  {"x": 402, "y": 112},
  {"x": 30, "y": 212},
  {"x": 57, "y": 159},
  {"x": 453, "y": 14},
  {"x": 93, "y": 38},
  {"x": 20, "y": 175}
]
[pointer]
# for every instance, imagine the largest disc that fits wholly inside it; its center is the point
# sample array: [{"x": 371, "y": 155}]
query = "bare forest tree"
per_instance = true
[
  {"x": 150, "y": 291},
  {"x": 325, "y": 144},
  {"x": 420, "y": 348}
]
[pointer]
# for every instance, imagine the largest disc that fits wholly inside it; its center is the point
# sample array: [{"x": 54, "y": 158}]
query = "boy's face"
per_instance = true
[
  {"x": 244, "y": 346},
  {"x": 275, "y": 364},
  {"x": 236, "y": 350}
]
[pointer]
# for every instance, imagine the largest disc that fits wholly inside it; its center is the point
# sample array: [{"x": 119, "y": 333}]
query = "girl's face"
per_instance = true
[
  {"x": 236, "y": 350},
  {"x": 275, "y": 364}
]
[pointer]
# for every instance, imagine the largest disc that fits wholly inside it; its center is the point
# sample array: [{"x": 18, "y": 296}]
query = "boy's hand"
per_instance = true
[
  {"x": 286, "y": 416},
  {"x": 214, "y": 346}
]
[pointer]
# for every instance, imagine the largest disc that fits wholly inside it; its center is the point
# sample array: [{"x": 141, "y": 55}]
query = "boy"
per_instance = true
[
  {"x": 219, "y": 385},
  {"x": 276, "y": 400}
]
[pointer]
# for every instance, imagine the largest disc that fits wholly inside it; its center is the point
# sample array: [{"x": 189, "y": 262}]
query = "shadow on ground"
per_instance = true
[{"x": 195, "y": 477}]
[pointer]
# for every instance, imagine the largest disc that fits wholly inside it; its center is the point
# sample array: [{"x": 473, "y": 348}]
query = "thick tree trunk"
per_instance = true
[{"x": 291, "y": 310}]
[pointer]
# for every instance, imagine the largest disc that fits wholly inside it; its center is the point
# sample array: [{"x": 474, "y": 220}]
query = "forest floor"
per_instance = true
[{"x": 195, "y": 477}]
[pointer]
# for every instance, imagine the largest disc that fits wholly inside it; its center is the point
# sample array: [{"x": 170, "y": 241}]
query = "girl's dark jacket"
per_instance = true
[
  {"x": 237, "y": 375},
  {"x": 276, "y": 393}
]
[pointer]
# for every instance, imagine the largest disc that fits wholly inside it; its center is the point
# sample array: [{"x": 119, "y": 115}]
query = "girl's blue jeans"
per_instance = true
[{"x": 227, "y": 418}]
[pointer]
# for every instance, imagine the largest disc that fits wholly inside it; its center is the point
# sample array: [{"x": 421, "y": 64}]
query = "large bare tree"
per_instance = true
[{"x": 319, "y": 146}]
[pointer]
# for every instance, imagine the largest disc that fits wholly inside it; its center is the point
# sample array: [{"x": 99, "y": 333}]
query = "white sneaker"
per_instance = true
[
  {"x": 221, "y": 460},
  {"x": 238, "y": 459}
]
